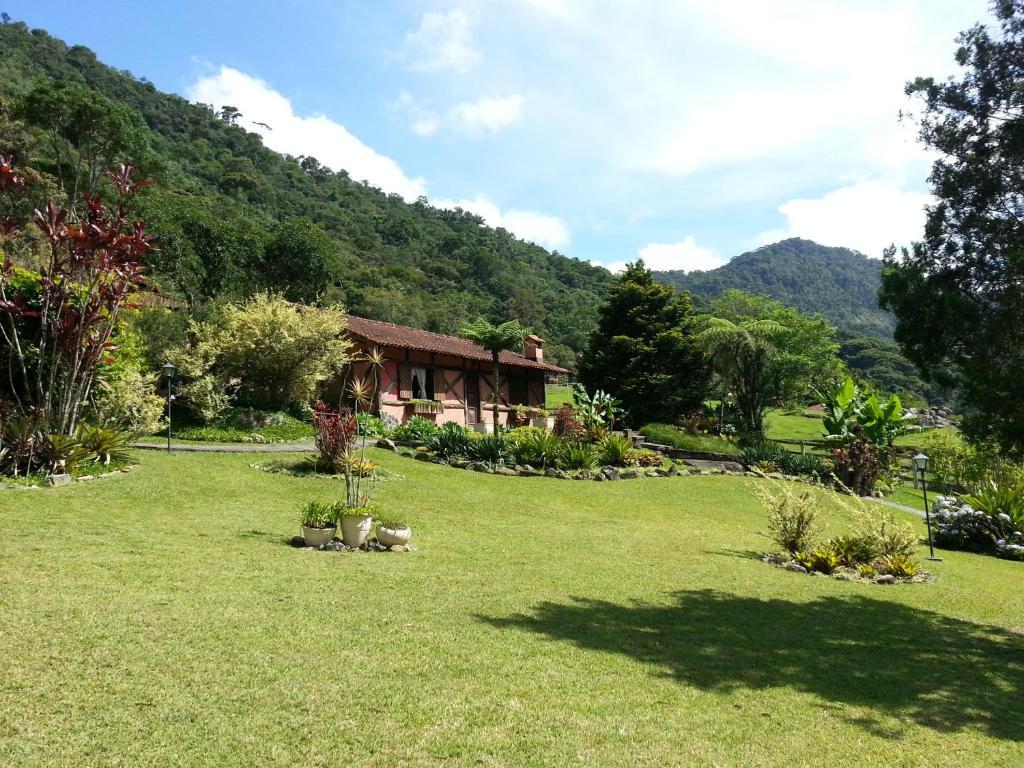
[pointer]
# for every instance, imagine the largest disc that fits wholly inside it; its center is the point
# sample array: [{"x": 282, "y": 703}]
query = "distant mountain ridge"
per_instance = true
[{"x": 840, "y": 283}]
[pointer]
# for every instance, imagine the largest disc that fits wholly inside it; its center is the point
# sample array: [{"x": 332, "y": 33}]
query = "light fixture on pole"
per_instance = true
[
  {"x": 168, "y": 371},
  {"x": 921, "y": 464}
]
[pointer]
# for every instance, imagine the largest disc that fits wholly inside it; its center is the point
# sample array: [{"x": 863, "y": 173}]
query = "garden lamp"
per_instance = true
[
  {"x": 921, "y": 464},
  {"x": 168, "y": 371}
]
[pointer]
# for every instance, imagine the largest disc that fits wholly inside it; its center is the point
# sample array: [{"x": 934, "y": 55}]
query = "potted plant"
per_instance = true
[
  {"x": 393, "y": 532},
  {"x": 356, "y": 524},
  {"x": 319, "y": 522},
  {"x": 427, "y": 407}
]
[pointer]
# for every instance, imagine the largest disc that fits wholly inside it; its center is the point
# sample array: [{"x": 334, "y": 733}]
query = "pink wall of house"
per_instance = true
[{"x": 449, "y": 375}]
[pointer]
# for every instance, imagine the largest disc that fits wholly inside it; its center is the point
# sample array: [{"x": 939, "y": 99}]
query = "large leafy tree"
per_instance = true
[
  {"x": 959, "y": 294},
  {"x": 765, "y": 353},
  {"x": 643, "y": 351},
  {"x": 495, "y": 339},
  {"x": 85, "y": 133}
]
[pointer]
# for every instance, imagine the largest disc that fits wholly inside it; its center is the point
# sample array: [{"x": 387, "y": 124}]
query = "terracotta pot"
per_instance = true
[
  {"x": 355, "y": 529},
  {"x": 317, "y": 537},
  {"x": 389, "y": 537}
]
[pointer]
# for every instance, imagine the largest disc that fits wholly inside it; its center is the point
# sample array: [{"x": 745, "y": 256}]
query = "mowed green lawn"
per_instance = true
[{"x": 160, "y": 618}]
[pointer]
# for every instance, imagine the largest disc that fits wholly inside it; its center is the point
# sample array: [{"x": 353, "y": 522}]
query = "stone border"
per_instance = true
[
  {"x": 844, "y": 573},
  {"x": 525, "y": 470},
  {"x": 59, "y": 480}
]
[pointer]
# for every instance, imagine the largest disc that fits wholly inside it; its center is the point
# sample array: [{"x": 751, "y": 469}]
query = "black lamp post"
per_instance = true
[
  {"x": 921, "y": 463},
  {"x": 168, "y": 371}
]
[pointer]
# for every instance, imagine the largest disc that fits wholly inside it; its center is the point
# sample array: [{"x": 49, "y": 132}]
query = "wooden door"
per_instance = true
[{"x": 472, "y": 397}]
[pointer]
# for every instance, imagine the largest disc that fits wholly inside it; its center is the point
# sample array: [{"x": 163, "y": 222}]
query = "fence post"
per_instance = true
[{"x": 802, "y": 449}]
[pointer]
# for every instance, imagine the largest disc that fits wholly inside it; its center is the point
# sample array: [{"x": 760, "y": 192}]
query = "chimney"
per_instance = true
[{"x": 533, "y": 349}]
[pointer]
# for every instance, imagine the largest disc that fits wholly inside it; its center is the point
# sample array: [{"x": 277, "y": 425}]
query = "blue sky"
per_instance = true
[{"x": 686, "y": 131}]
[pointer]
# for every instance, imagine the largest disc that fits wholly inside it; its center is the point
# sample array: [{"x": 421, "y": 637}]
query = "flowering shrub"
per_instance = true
[{"x": 958, "y": 525}]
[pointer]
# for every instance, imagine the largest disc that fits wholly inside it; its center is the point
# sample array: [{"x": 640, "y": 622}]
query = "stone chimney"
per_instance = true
[{"x": 533, "y": 349}]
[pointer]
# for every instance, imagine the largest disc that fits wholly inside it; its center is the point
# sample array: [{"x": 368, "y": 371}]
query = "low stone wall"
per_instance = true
[{"x": 682, "y": 453}]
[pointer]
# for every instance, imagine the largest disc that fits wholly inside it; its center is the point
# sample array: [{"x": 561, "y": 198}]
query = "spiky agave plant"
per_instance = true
[{"x": 362, "y": 392}]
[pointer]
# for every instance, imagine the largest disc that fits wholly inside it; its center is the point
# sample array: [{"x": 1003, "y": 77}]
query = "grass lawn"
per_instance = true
[
  {"x": 557, "y": 395},
  {"x": 782, "y": 425},
  {"x": 665, "y": 434},
  {"x": 159, "y": 618}
]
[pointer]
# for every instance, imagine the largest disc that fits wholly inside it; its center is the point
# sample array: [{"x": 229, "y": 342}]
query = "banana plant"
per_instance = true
[{"x": 850, "y": 416}]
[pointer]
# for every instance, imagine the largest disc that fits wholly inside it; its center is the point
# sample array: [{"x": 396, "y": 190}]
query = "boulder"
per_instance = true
[
  {"x": 386, "y": 444},
  {"x": 421, "y": 456},
  {"x": 62, "y": 479},
  {"x": 629, "y": 474},
  {"x": 887, "y": 578},
  {"x": 730, "y": 466},
  {"x": 795, "y": 567},
  {"x": 506, "y": 471}
]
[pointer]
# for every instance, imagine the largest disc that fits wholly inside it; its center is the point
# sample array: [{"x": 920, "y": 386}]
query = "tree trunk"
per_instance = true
[{"x": 496, "y": 393}]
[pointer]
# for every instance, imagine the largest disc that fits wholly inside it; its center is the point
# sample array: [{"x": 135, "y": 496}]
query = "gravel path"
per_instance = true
[
  {"x": 230, "y": 447},
  {"x": 894, "y": 505}
]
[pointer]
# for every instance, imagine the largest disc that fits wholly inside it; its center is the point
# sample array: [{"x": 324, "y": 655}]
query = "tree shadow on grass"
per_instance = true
[{"x": 900, "y": 661}]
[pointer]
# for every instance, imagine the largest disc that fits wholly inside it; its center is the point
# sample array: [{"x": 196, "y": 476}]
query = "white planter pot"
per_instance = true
[
  {"x": 541, "y": 422},
  {"x": 355, "y": 529},
  {"x": 485, "y": 427},
  {"x": 317, "y": 537},
  {"x": 389, "y": 537}
]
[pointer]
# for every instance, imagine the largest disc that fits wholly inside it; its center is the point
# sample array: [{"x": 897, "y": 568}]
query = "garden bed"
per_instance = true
[{"x": 846, "y": 573}]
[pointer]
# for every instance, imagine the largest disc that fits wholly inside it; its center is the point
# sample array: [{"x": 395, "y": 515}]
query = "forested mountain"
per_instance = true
[
  {"x": 839, "y": 283},
  {"x": 233, "y": 217}
]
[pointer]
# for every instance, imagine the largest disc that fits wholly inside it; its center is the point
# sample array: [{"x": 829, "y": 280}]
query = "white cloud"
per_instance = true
[
  {"x": 442, "y": 42},
  {"x": 470, "y": 118},
  {"x": 684, "y": 255},
  {"x": 488, "y": 114},
  {"x": 316, "y": 135},
  {"x": 867, "y": 216},
  {"x": 540, "y": 228}
]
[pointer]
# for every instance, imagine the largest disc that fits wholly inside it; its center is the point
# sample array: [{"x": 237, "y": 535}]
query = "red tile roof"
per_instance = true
[{"x": 391, "y": 335}]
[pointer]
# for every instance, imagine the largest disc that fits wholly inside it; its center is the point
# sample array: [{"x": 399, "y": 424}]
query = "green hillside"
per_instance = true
[
  {"x": 234, "y": 217},
  {"x": 839, "y": 283}
]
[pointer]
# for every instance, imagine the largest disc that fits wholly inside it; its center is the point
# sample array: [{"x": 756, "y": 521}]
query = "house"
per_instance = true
[{"x": 447, "y": 378}]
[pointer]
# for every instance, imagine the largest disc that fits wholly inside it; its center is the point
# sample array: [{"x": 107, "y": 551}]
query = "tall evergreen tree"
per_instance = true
[
  {"x": 643, "y": 351},
  {"x": 958, "y": 295}
]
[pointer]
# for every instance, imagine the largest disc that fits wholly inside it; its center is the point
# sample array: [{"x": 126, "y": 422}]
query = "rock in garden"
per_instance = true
[
  {"x": 505, "y": 471},
  {"x": 600, "y": 477},
  {"x": 461, "y": 464},
  {"x": 629, "y": 474},
  {"x": 58, "y": 479},
  {"x": 887, "y": 578},
  {"x": 481, "y": 467},
  {"x": 610, "y": 472},
  {"x": 528, "y": 468},
  {"x": 398, "y": 548},
  {"x": 386, "y": 444},
  {"x": 421, "y": 456},
  {"x": 795, "y": 567},
  {"x": 297, "y": 541}
]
